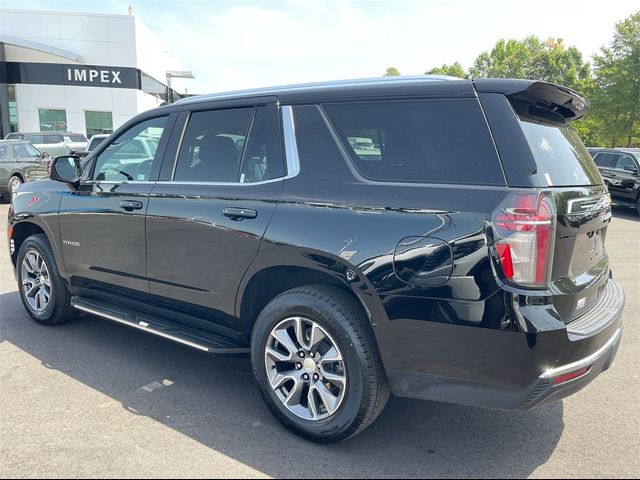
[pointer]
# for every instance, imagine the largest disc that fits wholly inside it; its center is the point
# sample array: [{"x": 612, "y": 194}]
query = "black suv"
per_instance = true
[
  {"x": 620, "y": 168},
  {"x": 437, "y": 239}
]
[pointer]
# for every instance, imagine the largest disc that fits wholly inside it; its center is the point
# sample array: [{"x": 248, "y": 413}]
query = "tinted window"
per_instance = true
[
  {"x": 131, "y": 155},
  {"x": 605, "y": 160},
  {"x": 560, "y": 155},
  {"x": 625, "y": 162},
  {"x": 262, "y": 155},
  {"x": 441, "y": 141},
  {"x": 212, "y": 146},
  {"x": 4, "y": 151}
]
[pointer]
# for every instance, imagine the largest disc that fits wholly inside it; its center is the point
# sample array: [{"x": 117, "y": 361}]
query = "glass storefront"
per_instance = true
[
  {"x": 53, "y": 120},
  {"x": 13, "y": 109},
  {"x": 98, "y": 122}
]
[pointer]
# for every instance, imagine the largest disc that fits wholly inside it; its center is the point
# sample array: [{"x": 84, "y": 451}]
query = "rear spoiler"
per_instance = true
[{"x": 538, "y": 101}]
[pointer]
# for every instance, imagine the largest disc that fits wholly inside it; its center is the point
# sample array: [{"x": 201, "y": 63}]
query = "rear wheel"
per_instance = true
[
  {"x": 317, "y": 364},
  {"x": 42, "y": 290}
]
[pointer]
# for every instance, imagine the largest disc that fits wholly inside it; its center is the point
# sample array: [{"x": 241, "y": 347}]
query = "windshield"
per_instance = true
[{"x": 560, "y": 155}]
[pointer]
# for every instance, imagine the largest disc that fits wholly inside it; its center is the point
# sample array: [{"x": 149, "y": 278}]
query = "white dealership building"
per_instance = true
[{"x": 83, "y": 73}]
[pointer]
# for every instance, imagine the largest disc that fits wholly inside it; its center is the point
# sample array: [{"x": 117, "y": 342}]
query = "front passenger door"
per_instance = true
[{"x": 102, "y": 224}]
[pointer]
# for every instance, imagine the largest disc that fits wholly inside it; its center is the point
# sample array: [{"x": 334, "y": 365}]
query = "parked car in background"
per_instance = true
[
  {"x": 94, "y": 141},
  {"x": 620, "y": 169},
  {"x": 20, "y": 162},
  {"x": 53, "y": 143},
  {"x": 464, "y": 262}
]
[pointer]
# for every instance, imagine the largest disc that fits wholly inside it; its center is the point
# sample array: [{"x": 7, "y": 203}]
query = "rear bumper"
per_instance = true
[{"x": 520, "y": 371}]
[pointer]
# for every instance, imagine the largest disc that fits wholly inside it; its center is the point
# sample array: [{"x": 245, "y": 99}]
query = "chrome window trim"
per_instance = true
[
  {"x": 220, "y": 184},
  {"x": 290, "y": 142}
]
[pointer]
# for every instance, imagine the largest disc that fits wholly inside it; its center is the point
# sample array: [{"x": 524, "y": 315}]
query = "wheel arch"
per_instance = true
[
  {"x": 24, "y": 229},
  {"x": 268, "y": 278}
]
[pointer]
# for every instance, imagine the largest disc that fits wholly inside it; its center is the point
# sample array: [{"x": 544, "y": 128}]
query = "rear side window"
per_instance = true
[
  {"x": 52, "y": 139},
  {"x": 423, "y": 141},
  {"x": 605, "y": 160},
  {"x": 560, "y": 155},
  {"x": 34, "y": 139},
  {"x": 230, "y": 146},
  {"x": 212, "y": 146}
]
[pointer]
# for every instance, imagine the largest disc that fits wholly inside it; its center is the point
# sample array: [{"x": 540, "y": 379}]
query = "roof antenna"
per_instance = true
[{"x": 130, "y": 9}]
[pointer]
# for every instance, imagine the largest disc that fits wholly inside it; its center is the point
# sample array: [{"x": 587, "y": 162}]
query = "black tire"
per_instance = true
[
  {"x": 638, "y": 206},
  {"x": 59, "y": 309},
  {"x": 341, "y": 315}
]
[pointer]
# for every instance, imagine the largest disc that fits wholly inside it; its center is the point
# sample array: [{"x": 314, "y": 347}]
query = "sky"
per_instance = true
[{"x": 235, "y": 44}]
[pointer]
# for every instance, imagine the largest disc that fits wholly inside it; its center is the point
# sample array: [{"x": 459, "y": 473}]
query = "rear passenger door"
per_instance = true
[{"x": 207, "y": 217}]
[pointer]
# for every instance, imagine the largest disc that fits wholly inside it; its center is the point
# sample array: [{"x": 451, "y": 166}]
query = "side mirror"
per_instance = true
[
  {"x": 631, "y": 168},
  {"x": 66, "y": 169}
]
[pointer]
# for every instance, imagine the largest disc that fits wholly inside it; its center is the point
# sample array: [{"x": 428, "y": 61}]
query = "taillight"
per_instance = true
[
  {"x": 48, "y": 164},
  {"x": 525, "y": 228}
]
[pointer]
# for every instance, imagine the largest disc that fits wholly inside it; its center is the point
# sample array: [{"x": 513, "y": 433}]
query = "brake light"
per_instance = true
[{"x": 525, "y": 227}]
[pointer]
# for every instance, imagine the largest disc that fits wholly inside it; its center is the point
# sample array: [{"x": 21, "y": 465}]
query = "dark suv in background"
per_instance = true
[
  {"x": 620, "y": 168},
  {"x": 438, "y": 239}
]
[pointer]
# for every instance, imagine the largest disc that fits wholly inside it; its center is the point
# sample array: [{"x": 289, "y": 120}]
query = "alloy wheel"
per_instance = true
[
  {"x": 36, "y": 281},
  {"x": 14, "y": 184},
  {"x": 305, "y": 368}
]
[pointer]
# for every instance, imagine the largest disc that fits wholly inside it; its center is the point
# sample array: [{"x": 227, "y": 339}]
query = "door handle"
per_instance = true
[
  {"x": 239, "y": 213},
  {"x": 130, "y": 206}
]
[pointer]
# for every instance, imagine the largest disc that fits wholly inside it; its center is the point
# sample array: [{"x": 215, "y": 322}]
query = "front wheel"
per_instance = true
[
  {"x": 317, "y": 364},
  {"x": 14, "y": 183},
  {"x": 42, "y": 290}
]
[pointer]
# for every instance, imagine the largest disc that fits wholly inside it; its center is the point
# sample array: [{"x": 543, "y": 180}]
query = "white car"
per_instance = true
[{"x": 53, "y": 143}]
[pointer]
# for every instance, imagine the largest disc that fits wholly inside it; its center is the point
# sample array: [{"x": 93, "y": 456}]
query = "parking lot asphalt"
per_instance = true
[{"x": 95, "y": 399}]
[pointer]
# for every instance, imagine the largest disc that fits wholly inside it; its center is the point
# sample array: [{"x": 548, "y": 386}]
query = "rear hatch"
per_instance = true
[
  {"x": 541, "y": 153},
  {"x": 580, "y": 266}
]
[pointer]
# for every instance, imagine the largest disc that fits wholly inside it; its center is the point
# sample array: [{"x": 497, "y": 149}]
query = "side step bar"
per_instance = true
[{"x": 191, "y": 337}]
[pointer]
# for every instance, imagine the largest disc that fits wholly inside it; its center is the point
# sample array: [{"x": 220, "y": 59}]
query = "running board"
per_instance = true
[{"x": 191, "y": 337}]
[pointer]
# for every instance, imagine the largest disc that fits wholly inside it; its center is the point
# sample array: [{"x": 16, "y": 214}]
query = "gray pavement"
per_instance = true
[{"x": 96, "y": 399}]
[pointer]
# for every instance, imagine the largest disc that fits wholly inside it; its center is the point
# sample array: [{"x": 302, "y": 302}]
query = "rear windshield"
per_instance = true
[
  {"x": 560, "y": 155},
  {"x": 425, "y": 141}
]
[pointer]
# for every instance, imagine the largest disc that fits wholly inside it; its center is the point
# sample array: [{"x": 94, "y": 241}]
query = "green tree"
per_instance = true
[
  {"x": 616, "y": 99},
  {"x": 392, "y": 72},
  {"x": 531, "y": 58},
  {"x": 453, "y": 70}
]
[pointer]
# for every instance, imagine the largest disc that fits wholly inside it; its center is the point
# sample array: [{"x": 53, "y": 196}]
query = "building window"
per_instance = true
[
  {"x": 53, "y": 120},
  {"x": 13, "y": 109},
  {"x": 98, "y": 122}
]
